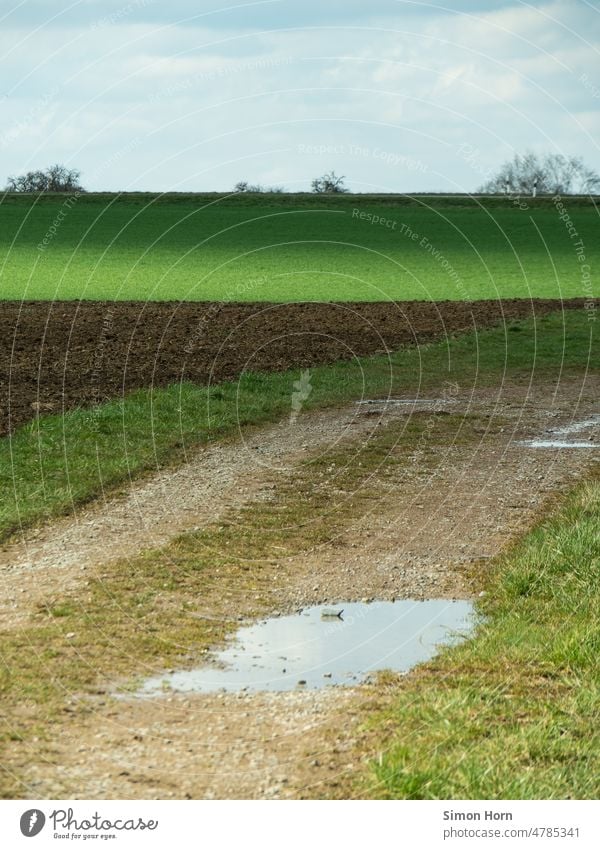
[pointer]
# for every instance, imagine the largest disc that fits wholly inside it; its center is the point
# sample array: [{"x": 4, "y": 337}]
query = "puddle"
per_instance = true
[
  {"x": 310, "y": 650},
  {"x": 555, "y": 438},
  {"x": 557, "y": 443},
  {"x": 403, "y": 401},
  {"x": 577, "y": 427}
]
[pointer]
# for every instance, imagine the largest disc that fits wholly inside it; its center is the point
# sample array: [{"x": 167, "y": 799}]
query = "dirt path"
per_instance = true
[
  {"x": 447, "y": 506},
  {"x": 48, "y": 561}
]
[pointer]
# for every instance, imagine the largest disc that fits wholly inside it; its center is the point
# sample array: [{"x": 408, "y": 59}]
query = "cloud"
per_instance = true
[
  {"x": 228, "y": 14},
  {"x": 391, "y": 89}
]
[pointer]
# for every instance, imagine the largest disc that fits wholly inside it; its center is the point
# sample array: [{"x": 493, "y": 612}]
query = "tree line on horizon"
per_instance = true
[{"x": 525, "y": 174}]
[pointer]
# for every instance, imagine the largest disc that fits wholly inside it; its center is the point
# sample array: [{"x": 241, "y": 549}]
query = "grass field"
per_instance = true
[{"x": 294, "y": 247}]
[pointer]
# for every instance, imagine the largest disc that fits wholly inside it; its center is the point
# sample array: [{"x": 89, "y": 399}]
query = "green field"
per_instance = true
[{"x": 294, "y": 247}]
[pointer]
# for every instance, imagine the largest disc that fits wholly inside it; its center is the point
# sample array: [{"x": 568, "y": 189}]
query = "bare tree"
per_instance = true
[
  {"x": 256, "y": 188},
  {"x": 552, "y": 173},
  {"x": 56, "y": 178},
  {"x": 328, "y": 184}
]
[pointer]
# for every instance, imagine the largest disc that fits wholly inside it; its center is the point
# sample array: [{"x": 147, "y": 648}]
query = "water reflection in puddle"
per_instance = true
[
  {"x": 315, "y": 648},
  {"x": 557, "y": 443},
  {"x": 557, "y": 437}
]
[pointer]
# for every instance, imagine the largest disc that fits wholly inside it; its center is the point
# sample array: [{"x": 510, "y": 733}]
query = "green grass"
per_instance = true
[
  {"x": 57, "y": 462},
  {"x": 292, "y": 247},
  {"x": 512, "y": 714}
]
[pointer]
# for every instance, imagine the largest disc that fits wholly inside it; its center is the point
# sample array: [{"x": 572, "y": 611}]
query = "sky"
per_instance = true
[{"x": 396, "y": 96}]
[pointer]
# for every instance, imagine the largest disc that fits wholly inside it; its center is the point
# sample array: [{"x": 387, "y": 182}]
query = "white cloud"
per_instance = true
[{"x": 144, "y": 102}]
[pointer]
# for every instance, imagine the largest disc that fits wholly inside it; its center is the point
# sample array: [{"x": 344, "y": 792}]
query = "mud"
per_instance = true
[{"x": 55, "y": 356}]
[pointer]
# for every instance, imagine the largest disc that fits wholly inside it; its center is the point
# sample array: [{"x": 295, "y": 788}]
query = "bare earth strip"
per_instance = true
[{"x": 464, "y": 504}]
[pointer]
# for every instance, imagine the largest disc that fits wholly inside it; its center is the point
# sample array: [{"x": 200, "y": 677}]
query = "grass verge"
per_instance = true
[
  {"x": 58, "y": 462},
  {"x": 513, "y": 713}
]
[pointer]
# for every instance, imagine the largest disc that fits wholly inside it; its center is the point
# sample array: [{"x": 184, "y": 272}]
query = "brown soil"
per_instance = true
[
  {"x": 432, "y": 527},
  {"x": 56, "y": 356}
]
